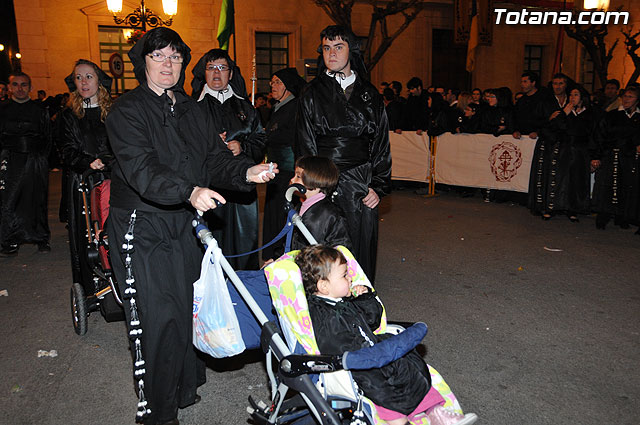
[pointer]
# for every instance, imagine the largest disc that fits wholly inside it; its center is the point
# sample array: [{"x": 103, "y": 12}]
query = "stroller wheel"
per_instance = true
[{"x": 78, "y": 309}]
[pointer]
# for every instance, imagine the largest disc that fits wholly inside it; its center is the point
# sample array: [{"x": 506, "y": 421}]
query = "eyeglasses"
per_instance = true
[
  {"x": 275, "y": 83},
  {"x": 220, "y": 68},
  {"x": 159, "y": 57}
]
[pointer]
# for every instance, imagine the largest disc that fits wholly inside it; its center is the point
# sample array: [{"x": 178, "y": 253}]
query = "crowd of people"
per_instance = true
[{"x": 576, "y": 134}]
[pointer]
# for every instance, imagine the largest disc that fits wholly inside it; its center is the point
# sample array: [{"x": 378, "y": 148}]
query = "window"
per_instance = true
[
  {"x": 587, "y": 73},
  {"x": 272, "y": 54},
  {"x": 533, "y": 59},
  {"x": 112, "y": 41}
]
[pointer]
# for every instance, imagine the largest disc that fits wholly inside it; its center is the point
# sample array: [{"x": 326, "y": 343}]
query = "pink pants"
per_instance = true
[{"x": 431, "y": 399}]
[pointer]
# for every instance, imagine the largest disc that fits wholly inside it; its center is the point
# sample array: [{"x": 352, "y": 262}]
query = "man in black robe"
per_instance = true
[
  {"x": 24, "y": 172},
  {"x": 341, "y": 116},
  {"x": 528, "y": 117},
  {"x": 416, "y": 110}
]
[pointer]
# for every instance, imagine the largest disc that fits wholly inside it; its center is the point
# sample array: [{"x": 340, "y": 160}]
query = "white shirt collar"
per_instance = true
[
  {"x": 578, "y": 111},
  {"x": 637, "y": 110},
  {"x": 346, "y": 82},
  {"x": 221, "y": 95}
]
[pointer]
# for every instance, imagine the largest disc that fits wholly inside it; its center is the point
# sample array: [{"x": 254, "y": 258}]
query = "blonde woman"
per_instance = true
[{"x": 83, "y": 145}]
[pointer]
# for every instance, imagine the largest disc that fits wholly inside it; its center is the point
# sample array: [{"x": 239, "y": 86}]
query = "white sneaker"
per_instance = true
[{"x": 441, "y": 416}]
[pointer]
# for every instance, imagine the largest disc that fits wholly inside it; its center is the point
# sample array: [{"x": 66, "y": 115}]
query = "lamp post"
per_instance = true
[{"x": 141, "y": 16}]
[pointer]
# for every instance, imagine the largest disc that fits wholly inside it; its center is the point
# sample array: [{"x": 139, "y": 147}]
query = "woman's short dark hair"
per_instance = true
[
  {"x": 318, "y": 173},
  {"x": 162, "y": 37},
  {"x": 584, "y": 95},
  {"x": 315, "y": 263},
  {"x": 215, "y": 54}
]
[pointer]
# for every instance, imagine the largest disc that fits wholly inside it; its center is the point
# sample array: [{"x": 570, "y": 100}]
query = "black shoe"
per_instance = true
[
  {"x": 9, "y": 251},
  {"x": 196, "y": 400},
  {"x": 171, "y": 422},
  {"x": 44, "y": 247}
]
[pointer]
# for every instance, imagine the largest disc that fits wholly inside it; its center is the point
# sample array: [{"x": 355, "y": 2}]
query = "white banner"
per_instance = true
[
  {"x": 485, "y": 161},
  {"x": 410, "y": 156}
]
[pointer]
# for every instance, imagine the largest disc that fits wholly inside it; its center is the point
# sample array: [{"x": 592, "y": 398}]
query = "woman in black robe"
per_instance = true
[
  {"x": 167, "y": 155},
  {"x": 285, "y": 87},
  {"x": 564, "y": 186},
  {"x": 616, "y": 158},
  {"x": 83, "y": 146},
  {"x": 220, "y": 90}
]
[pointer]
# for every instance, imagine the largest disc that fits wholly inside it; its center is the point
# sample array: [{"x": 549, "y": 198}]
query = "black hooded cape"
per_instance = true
[
  {"x": 161, "y": 154},
  {"x": 236, "y": 223},
  {"x": 353, "y": 132}
]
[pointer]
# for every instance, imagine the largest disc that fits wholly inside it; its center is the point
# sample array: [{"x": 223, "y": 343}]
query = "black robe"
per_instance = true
[
  {"x": 25, "y": 141},
  {"x": 160, "y": 157},
  {"x": 617, "y": 187},
  {"x": 80, "y": 142},
  {"x": 235, "y": 224},
  {"x": 560, "y": 178},
  {"x": 492, "y": 118},
  {"x": 415, "y": 113},
  {"x": 280, "y": 131},
  {"x": 348, "y": 325},
  {"x": 528, "y": 116},
  {"x": 395, "y": 114},
  {"x": 353, "y": 133},
  {"x": 326, "y": 223}
]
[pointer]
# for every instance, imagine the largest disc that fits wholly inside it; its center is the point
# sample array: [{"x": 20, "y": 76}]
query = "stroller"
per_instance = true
[
  {"x": 307, "y": 387},
  {"x": 93, "y": 285}
]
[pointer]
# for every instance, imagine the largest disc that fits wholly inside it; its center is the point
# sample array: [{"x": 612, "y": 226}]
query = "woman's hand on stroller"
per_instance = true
[
  {"x": 204, "y": 199},
  {"x": 262, "y": 173}
]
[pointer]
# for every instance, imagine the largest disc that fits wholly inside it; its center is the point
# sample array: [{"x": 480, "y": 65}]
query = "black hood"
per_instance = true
[
  {"x": 199, "y": 80},
  {"x": 104, "y": 80},
  {"x": 291, "y": 79},
  {"x": 137, "y": 54}
]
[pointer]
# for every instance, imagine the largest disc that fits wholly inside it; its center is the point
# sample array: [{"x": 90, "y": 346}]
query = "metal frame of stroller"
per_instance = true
[
  {"x": 292, "y": 370},
  {"x": 100, "y": 292}
]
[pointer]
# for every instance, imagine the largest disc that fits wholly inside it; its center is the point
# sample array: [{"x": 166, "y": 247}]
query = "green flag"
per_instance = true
[{"x": 225, "y": 24}]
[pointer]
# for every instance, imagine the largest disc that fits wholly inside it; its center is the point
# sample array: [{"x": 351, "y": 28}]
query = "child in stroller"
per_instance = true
[{"x": 400, "y": 390}]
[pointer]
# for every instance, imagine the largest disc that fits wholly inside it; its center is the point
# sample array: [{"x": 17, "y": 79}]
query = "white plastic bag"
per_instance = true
[{"x": 216, "y": 330}]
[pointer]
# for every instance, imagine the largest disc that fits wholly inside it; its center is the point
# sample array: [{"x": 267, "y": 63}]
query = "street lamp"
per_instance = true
[
  {"x": 141, "y": 16},
  {"x": 596, "y": 4}
]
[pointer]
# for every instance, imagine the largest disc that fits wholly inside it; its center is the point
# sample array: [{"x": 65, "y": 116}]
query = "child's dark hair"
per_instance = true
[
  {"x": 315, "y": 263},
  {"x": 318, "y": 173}
]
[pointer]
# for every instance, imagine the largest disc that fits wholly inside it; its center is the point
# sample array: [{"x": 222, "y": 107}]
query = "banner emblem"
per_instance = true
[{"x": 505, "y": 159}]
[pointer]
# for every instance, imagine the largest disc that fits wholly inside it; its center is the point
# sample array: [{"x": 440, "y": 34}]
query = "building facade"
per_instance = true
[{"x": 53, "y": 34}]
